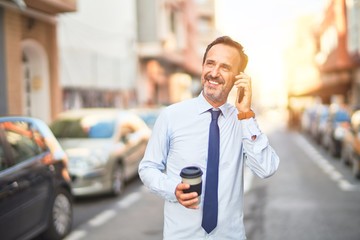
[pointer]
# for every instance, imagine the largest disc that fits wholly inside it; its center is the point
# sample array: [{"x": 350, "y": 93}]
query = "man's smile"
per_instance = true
[{"x": 213, "y": 82}]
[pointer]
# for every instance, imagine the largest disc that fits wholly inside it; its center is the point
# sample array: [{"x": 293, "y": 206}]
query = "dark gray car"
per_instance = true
[{"x": 35, "y": 192}]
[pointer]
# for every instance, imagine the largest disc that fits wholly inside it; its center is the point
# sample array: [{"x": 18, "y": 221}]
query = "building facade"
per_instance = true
[
  {"x": 302, "y": 73},
  {"x": 29, "y": 74},
  {"x": 98, "y": 61},
  {"x": 338, "y": 50},
  {"x": 144, "y": 52},
  {"x": 171, "y": 37},
  {"x": 59, "y": 55},
  {"x": 331, "y": 55},
  {"x": 333, "y": 58},
  {"x": 353, "y": 27}
]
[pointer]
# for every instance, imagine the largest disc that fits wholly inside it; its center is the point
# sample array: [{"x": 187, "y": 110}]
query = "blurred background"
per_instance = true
[
  {"x": 304, "y": 60},
  {"x": 60, "y": 55}
]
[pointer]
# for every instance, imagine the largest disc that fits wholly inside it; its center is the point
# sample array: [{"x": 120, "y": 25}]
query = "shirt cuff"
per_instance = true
[
  {"x": 250, "y": 128},
  {"x": 171, "y": 186}
]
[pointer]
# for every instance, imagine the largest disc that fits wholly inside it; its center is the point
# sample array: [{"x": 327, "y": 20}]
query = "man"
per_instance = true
[{"x": 180, "y": 138}]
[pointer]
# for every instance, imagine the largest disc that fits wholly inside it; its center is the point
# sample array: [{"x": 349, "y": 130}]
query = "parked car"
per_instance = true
[
  {"x": 352, "y": 141},
  {"x": 148, "y": 114},
  {"x": 347, "y": 149},
  {"x": 35, "y": 191},
  {"x": 308, "y": 118},
  {"x": 319, "y": 122},
  {"x": 338, "y": 121},
  {"x": 104, "y": 147}
]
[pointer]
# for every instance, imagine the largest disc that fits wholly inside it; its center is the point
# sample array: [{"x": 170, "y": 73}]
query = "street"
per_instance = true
[
  {"x": 136, "y": 215},
  {"x": 312, "y": 196},
  {"x": 83, "y": 82}
]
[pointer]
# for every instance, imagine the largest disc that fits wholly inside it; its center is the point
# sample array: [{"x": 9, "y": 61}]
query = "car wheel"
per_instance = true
[
  {"x": 356, "y": 168},
  {"x": 344, "y": 156},
  {"x": 60, "y": 220},
  {"x": 334, "y": 148},
  {"x": 117, "y": 180}
]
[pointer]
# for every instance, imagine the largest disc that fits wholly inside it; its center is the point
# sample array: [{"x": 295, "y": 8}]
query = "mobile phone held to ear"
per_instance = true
[{"x": 241, "y": 94}]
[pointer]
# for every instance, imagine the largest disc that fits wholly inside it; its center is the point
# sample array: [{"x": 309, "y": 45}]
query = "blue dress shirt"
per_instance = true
[{"x": 180, "y": 139}]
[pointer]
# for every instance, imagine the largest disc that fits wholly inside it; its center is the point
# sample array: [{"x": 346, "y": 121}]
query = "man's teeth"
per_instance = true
[{"x": 212, "y": 82}]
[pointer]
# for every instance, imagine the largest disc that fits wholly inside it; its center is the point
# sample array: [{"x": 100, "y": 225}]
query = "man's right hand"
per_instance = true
[{"x": 188, "y": 200}]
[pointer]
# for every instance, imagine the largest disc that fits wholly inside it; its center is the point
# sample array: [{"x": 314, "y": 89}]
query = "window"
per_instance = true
[
  {"x": 69, "y": 128},
  {"x": 353, "y": 13},
  {"x": 24, "y": 142},
  {"x": 2, "y": 158},
  {"x": 92, "y": 126}
]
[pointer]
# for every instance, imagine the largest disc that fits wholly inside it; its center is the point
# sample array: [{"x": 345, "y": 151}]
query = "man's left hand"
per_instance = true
[{"x": 243, "y": 81}]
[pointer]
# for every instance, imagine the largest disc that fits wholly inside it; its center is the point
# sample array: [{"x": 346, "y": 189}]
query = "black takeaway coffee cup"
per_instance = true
[{"x": 192, "y": 175}]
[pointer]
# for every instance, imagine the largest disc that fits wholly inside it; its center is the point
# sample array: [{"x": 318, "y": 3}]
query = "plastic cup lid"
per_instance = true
[{"x": 191, "y": 172}]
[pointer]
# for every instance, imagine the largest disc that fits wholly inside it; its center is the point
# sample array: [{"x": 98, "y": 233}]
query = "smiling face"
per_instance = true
[{"x": 218, "y": 74}]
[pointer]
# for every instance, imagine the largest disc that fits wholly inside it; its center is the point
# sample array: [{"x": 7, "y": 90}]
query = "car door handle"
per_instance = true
[
  {"x": 12, "y": 186},
  {"x": 8, "y": 190}
]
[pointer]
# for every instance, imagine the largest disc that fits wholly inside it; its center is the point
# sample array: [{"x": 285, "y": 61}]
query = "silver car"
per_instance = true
[{"x": 104, "y": 147}]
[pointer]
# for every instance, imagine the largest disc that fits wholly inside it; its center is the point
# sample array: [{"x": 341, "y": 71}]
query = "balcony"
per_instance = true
[{"x": 52, "y": 6}]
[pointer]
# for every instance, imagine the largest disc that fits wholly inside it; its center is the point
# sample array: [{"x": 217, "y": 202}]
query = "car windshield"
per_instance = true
[
  {"x": 86, "y": 127},
  {"x": 149, "y": 118},
  {"x": 342, "y": 116}
]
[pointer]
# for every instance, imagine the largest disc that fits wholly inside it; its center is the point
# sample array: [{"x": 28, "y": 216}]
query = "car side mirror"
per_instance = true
[{"x": 124, "y": 138}]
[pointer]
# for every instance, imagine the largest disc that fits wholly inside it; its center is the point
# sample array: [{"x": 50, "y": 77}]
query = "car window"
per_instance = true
[
  {"x": 102, "y": 129},
  {"x": 68, "y": 128},
  {"x": 149, "y": 117},
  {"x": 87, "y": 127},
  {"x": 24, "y": 141},
  {"x": 342, "y": 116},
  {"x": 132, "y": 128},
  {"x": 2, "y": 158},
  {"x": 4, "y": 150}
]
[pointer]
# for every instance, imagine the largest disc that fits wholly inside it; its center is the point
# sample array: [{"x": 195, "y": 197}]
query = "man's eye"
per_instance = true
[{"x": 226, "y": 68}]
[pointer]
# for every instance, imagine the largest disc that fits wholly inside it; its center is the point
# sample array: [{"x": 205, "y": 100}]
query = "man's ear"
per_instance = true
[{"x": 244, "y": 62}]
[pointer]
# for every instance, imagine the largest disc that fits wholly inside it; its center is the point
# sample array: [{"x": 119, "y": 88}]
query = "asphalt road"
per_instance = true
[{"x": 311, "y": 197}]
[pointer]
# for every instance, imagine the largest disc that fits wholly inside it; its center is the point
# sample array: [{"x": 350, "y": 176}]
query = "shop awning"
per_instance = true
[{"x": 331, "y": 84}]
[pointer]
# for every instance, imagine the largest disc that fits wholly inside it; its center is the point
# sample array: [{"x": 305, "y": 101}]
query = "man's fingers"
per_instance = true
[
  {"x": 182, "y": 186},
  {"x": 188, "y": 200}
]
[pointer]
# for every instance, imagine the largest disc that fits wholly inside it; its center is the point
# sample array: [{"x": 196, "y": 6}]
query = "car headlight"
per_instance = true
[
  {"x": 85, "y": 162},
  {"x": 339, "y": 133},
  {"x": 93, "y": 162}
]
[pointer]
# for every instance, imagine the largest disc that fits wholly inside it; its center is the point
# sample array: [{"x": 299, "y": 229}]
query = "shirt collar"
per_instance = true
[{"x": 204, "y": 105}]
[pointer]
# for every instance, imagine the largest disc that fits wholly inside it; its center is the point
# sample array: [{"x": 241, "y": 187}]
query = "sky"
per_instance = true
[{"x": 262, "y": 27}]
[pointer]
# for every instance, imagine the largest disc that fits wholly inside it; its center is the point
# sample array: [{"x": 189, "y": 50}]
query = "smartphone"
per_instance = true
[{"x": 241, "y": 94}]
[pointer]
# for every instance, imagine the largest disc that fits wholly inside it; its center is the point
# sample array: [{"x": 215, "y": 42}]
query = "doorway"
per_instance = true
[{"x": 36, "y": 90}]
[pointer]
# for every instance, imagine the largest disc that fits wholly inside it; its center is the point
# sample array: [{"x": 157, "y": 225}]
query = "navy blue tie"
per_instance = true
[{"x": 210, "y": 209}]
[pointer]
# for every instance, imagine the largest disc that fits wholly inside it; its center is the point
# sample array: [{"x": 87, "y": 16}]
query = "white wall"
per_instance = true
[{"x": 97, "y": 45}]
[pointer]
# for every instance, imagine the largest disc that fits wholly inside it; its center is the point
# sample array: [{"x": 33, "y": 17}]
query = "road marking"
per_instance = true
[
  {"x": 324, "y": 165},
  {"x": 102, "y": 218},
  {"x": 346, "y": 186},
  {"x": 129, "y": 200},
  {"x": 76, "y": 235}
]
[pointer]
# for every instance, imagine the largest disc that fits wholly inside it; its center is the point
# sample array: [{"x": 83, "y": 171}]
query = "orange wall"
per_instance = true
[{"x": 18, "y": 28}]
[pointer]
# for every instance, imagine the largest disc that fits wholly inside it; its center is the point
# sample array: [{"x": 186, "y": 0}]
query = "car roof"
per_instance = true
[
  {"x": 122, "y": 115},
  {"x": 41, "y": 125},
  {"x": 78, "y": 113},
  {"x": 19, "y": 118}
]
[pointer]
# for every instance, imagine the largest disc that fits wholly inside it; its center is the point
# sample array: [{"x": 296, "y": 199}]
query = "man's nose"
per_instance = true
[{"x": 214, "y": 71}]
